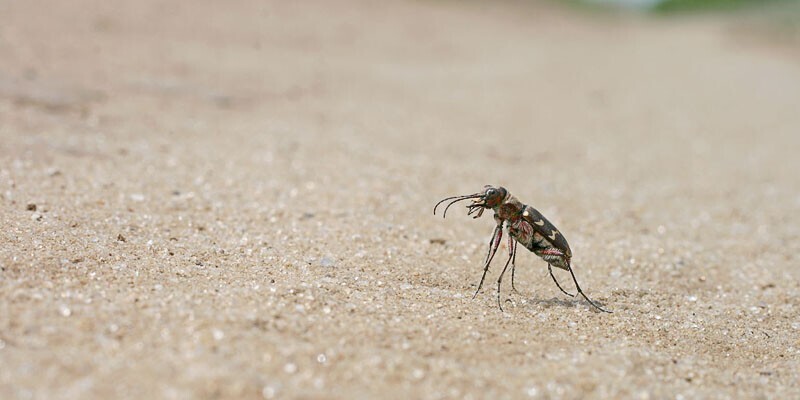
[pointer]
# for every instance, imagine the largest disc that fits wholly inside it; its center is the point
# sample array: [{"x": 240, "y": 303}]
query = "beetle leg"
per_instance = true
[
  {"x": 500, "y": 278},
  {"x": 493, "y": 244},
  {"x": 550, "y": 269},
  {"x": 583, "y": 294},
  {"x": 513, "y": 264}
]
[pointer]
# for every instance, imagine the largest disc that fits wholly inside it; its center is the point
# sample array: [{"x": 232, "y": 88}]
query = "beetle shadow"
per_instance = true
[{"x": 561, "y": 302}]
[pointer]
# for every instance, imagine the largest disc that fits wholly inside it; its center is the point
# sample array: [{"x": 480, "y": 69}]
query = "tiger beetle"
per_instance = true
[{"x": 525, "y": 226}]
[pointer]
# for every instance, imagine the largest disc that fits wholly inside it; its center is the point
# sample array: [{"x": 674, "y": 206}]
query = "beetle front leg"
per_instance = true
[
  {"x": 511, "y": 254},
  {"x": 491, "y": 245},
  {"x": 494, "y": 242}
]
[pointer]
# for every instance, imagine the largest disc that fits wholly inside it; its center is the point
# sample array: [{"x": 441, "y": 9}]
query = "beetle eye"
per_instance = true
[{"x": 490, "y": 192}]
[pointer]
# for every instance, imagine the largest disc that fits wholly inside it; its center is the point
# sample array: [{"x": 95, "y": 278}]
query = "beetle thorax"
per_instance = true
[{"x": 510, "y": 208}]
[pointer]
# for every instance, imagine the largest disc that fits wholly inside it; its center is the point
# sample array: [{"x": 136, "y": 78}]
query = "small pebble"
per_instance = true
[
  {"x": 290, "y": 368},
  {"x": 326, "y": 262},
  {"x": 268, "y": 392},
  {"x": 64, "y": 311}
]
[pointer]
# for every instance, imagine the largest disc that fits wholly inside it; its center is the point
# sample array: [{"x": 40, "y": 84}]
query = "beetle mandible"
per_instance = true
[{"x": 526, "y": 226}]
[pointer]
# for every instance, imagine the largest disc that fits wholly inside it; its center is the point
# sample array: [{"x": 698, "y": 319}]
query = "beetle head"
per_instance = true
[{"x": 490, "y": 197}]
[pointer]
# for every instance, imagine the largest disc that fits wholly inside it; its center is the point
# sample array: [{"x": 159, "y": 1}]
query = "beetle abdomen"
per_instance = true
[
  {"x": 554, "y": 257},
  {"x": 541, "y": 237},
  {"x": 539, "y": 245}
]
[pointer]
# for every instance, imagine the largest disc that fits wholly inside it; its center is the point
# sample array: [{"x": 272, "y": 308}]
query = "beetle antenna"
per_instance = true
[
  {"x": 457, "y": 199},
  {"x": 466, "y": 196},
  {"x": 444, "y": 214}
]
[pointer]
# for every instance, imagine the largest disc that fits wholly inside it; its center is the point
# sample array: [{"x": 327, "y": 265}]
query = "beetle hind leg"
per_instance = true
[
  {"x": 584, "y": 294},
  {"x": 550, "y": 269}
]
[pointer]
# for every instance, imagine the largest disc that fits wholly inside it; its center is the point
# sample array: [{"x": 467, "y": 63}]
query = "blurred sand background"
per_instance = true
[{"x": 208, "y": 201}]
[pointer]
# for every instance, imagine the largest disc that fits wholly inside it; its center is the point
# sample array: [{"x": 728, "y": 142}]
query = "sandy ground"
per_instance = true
[{"x": 235, "y": 202}]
